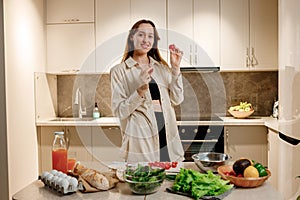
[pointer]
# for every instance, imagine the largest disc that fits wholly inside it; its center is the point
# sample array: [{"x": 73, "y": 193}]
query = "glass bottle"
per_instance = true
[
  {"x": 59, "y": 153},
  {"x": 96, "y": 113}
]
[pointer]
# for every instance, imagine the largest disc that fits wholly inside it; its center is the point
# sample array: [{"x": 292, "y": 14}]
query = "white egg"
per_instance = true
[
  {"x": 54, "y": 180},
  {"x": 59, "y": 173},
  {"x": 44, "y": 175},
  {"x": 68, "y": 177},
  {"x": 59, "y": 180},
  {"x": 65, "y": 184},
  {"x": 53, "y": 171},
  {"x": 49, "y": 177},
  {"x": 64, "y": 175},
  {"x": 74, "y": 183}
]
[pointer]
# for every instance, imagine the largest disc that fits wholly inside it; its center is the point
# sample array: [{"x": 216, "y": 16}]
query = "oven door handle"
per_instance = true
[{"x": 214, "y": 140}]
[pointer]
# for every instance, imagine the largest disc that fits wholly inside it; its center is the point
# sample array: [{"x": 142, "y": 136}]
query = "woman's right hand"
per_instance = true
[{"x": 145, "y": 77}]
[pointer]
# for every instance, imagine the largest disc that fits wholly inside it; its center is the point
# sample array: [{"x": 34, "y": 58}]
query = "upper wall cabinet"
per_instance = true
[
  {"x": 156, "y": 11},
  {"x": 70, "y": 11},
  {"x": 249, "y": 35},
  {"x": 70, "y": 47},
  {"x": 111, "y": 34},
  {"x": 207, "y": 32},
  {"x": 70, "y": 36},
  {"x": 112, "y": 25},
  {"x": 193, "y": 25}
]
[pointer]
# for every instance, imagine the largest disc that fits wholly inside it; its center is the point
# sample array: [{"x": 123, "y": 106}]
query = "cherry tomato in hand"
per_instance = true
[{"x": 172, "y": 47}]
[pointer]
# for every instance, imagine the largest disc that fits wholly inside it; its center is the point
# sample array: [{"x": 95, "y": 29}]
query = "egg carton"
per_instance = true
[{"x": 59, "y": 182}]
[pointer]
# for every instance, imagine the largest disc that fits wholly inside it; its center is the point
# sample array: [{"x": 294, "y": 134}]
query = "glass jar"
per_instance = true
[{"x": 59, "y": 153}]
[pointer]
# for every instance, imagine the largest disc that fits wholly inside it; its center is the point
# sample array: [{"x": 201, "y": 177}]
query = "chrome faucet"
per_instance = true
[{"x": 78, "y": 101}]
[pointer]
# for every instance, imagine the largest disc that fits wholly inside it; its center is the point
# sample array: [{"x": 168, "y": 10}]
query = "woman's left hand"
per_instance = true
[{"x": 175, "y": 58}]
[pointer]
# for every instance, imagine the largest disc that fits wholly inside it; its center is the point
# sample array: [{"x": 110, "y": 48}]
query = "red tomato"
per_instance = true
[
  {"x": 172, "y": 47},
  {"x": 167, "y": 165},
  {"x": 151, "y": 164},
  {"x": 232, "y": 173},
  {"x": 162, "y": 164},
  {"x": 156, "y": 164},
  {"x": 174, "y": 164}
]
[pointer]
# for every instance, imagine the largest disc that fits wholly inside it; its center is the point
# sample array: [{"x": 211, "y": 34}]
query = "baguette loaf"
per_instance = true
[{"x": 99, "y": 180}]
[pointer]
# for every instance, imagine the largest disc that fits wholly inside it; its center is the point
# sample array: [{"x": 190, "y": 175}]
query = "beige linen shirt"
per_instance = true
[{"x": 140, "y": 140}]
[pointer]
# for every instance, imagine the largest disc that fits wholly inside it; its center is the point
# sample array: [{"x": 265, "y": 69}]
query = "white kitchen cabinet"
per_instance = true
[
  {"x": 207, "y": 32},
  {"x": 273, "y": 156},
  {"x": 249, "y": 31},
  {"x": 180, "y": 28},
  {"x": 111, "y": 34},
  {"x": 156, "y": 11},
  {"x": 247, "y": 141},
  {"x": 69, "y": 11},
  {"x": 70, "y": 47},
  {"x": 77, "y": 138},
  {"x": 106, "y": 142},
  {"x": 193, "y": 25}
]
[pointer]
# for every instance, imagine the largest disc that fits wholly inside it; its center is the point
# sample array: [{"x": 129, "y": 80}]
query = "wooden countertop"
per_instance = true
[{"x": 36, "y": 190}]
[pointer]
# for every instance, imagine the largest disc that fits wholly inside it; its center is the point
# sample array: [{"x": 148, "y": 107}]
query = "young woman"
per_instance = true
[{"x": 144, "y": 91}]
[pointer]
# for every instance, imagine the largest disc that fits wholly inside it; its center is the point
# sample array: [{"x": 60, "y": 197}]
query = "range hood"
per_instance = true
[{"x": 205, "y": 69}]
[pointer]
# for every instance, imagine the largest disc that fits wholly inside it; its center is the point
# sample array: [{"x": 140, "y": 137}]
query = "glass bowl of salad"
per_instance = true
[{"x": 143, "y": 178}]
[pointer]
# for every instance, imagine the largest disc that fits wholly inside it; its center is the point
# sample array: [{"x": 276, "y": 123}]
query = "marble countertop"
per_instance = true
[
  {"x": 36, "y": 190},
  {"x": 270, "y": 122}
]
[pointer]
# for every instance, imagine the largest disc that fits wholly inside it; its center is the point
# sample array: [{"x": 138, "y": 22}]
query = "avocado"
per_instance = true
[{"x": 240, "y": 165}]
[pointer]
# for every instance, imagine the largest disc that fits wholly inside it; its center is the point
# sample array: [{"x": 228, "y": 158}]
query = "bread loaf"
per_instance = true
[{"x": 99, "y": 180}]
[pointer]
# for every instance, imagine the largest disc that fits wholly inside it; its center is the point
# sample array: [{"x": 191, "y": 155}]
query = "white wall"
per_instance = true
[
  {"x": 24, "y": 54},
  {"x": 3, "y": 138}
]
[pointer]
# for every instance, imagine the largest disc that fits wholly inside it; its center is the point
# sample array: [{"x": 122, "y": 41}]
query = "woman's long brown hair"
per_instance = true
[{"x": 154, "y": 52}]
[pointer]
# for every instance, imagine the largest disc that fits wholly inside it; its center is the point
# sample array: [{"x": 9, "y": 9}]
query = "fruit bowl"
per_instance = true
[
  {"x": 241, "y": 181},
  {"x": 240, "y": 114}
]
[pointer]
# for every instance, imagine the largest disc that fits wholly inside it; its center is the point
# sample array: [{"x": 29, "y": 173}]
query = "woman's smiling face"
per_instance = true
[{"x": 143, "y": 38}]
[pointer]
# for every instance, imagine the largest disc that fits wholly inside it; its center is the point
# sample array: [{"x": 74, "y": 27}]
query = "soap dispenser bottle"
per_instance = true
[{"x": 96, "y": 113}]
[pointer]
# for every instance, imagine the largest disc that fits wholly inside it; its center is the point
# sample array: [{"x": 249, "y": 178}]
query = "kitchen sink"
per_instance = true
[{"x": 61, "y": 119}]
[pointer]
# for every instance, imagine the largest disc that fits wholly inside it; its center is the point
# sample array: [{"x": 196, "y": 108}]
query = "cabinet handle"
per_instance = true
[
  {"x": 253, "y": 60},
  {"x": 227, "y": 140},
  {"x": 71, "y": 20},
  {"x": 200, "y": 141},
  {"x": 247, "y": 57},
  {"x": 191, "y": 55},
  {"x": 196, "y": 54}
]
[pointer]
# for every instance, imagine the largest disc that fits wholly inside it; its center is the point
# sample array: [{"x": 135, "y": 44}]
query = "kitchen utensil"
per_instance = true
[{"x": 210, "y": 160}]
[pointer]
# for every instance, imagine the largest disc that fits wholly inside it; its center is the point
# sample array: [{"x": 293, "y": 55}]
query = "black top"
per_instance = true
[{"x": 154, "y": 90}]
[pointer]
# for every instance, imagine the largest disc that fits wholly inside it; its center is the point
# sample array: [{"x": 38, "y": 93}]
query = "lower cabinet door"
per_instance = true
[
  {"x": 106, "y": 142},
  {"x": 247, "y": 141},
  {"x": 78, "y": 141}
]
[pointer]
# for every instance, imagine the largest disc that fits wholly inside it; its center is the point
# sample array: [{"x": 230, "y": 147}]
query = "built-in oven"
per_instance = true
[{"x": 201, "y": 138}]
